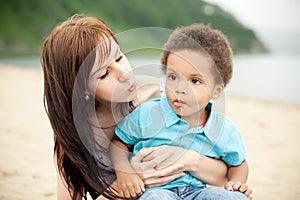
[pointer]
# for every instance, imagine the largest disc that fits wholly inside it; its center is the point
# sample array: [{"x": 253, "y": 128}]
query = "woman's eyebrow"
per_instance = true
[
  {"x": 95, "y": 72},
  {"x": 118, "y": 51},
  {"x": 99, "y": 68}
]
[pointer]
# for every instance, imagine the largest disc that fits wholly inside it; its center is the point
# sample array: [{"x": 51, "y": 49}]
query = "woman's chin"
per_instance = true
[{"x": 123, "y": 99}]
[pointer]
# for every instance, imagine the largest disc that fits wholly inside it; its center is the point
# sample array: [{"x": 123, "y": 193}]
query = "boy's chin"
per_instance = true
[{"x": 178, "y": 111}]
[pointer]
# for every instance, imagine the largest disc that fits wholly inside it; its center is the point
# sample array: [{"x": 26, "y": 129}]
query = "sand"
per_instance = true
[{"x": 270, "y": 131}]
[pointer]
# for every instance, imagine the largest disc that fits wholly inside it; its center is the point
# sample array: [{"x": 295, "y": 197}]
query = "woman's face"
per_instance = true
[{"x": 114, "y": 80}]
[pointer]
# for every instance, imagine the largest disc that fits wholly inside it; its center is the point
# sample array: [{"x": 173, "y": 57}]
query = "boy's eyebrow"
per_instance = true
[
  {"x": 197, "y": 74},
  {"x": 170, "y": 69}
]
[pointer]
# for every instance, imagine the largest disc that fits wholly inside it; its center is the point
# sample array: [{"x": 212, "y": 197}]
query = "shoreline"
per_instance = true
[{"x": 269, "y": 129}]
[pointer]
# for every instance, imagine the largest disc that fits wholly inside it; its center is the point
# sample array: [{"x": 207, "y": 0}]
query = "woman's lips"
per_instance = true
[{"x": 132, "y": 87}]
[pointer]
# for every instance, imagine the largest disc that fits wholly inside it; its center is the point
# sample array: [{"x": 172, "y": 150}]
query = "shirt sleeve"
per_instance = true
[
  {"x": 128, "y": 130},
  {"x": 234, "y": 151}
]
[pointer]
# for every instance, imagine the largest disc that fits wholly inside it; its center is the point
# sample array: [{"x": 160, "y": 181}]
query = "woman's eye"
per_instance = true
[
  {"x": 172, "y": 77},
  {"x": 104, "y": 75},
  {"x": 196, "y": 81},
  {"x": 119, "y": 58}
]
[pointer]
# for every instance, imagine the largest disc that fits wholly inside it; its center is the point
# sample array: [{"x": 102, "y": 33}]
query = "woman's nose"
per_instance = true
[{"x": 123, "y": 74}]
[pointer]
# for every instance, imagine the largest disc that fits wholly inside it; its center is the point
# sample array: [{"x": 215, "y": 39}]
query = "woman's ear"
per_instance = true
[{"x": 217, "y": 91}]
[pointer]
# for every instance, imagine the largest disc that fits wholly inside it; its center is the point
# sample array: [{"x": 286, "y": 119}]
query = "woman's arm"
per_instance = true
[
  {"x": 62, "y": 187},
  {"x": 209, "y": 170}
]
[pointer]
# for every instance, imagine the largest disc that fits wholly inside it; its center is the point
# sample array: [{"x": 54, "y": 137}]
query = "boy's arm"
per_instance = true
[
  {"x": 238, "y": 173},
  {"x": 234, "y": 155},
  {"x": 119, "y": 153},
  {"x": 237, "y": 178},
  {"x": 129, "y": 183}
]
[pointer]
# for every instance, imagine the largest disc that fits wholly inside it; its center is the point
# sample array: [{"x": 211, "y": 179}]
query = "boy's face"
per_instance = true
[{"x": 190, "y": 83}]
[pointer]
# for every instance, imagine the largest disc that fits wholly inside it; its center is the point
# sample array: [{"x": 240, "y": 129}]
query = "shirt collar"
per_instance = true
[
  {"x": 211, "y": 114},
  {"x": 214, "y": 124}
]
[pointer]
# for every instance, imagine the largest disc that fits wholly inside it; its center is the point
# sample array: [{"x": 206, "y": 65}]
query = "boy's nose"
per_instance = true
[{"x": 182, "y": 87}]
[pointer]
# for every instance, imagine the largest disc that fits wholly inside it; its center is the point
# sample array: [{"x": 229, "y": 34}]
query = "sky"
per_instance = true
[{"x": 275, "y": 21}]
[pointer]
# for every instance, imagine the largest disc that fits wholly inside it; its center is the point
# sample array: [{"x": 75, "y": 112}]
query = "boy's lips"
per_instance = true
[
  {"x": 178, "y": 103},
  {"x": 132, "y": 87}
]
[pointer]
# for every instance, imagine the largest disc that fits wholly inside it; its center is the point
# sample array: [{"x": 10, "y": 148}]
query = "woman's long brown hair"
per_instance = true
[{"x": 69, "y": 47}]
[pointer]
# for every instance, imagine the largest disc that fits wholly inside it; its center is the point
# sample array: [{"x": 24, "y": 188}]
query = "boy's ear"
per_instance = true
[{"x": 217, "y": 91}]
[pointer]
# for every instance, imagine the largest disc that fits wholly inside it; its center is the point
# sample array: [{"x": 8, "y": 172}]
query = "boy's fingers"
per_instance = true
[
  {"x": 138, "y": 188},
  {"x": 126, "y": 194},
  {"x": 228, "y": 186},
  {"x": 236, "y": 185},
  {"x": 141, "y": 184},
  {"x": 133, "y": 193},
  {"x": 121, "y": 194},
  {"x": 248, "y": 193},
  {"x": 243, "y": 188}
]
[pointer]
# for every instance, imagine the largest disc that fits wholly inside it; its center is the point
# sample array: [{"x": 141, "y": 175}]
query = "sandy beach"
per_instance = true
[{"x": 270, "y": 131}]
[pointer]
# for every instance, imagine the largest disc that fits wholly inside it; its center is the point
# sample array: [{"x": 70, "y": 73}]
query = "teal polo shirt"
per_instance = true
[{"x": 154, "y": 123}]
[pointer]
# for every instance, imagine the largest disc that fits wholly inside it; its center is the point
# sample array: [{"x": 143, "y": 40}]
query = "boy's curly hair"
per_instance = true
[{"x": 203, "y": 38}]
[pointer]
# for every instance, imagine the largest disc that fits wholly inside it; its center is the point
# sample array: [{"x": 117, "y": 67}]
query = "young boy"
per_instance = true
[{"x": 197, "y": 61}]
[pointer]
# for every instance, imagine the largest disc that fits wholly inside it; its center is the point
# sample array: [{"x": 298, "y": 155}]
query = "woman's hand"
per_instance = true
[
  {"x": 156, "y": 166},
  {"x": 160, "y": 165},
  {"x": 166, "y": 155}
]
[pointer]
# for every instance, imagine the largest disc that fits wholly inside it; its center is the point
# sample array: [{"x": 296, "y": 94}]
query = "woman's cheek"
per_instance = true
[{"x": 104, "y": 91}]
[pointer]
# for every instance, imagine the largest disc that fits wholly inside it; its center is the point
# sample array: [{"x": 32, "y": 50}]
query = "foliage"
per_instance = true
[{"x": 25, "y": 23}]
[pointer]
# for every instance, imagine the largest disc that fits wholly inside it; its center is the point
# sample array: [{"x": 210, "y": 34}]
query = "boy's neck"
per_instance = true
[{"x": 198, "y": 119}]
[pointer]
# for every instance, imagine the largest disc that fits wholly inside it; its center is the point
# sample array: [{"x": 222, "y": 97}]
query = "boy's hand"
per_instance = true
[
  {"x": 130, "y": 184},
  {"x": 239, "y": 186}
]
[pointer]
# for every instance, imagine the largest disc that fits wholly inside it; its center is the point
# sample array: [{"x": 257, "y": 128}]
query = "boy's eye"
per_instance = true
[
  {"x": 196, "y": 81},
  {"x": 172, "y": 77},
  {"x": 119, "y": 58}
]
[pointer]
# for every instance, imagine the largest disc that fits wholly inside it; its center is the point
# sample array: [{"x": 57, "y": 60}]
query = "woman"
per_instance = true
[{"x": 88, "y": 89}]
